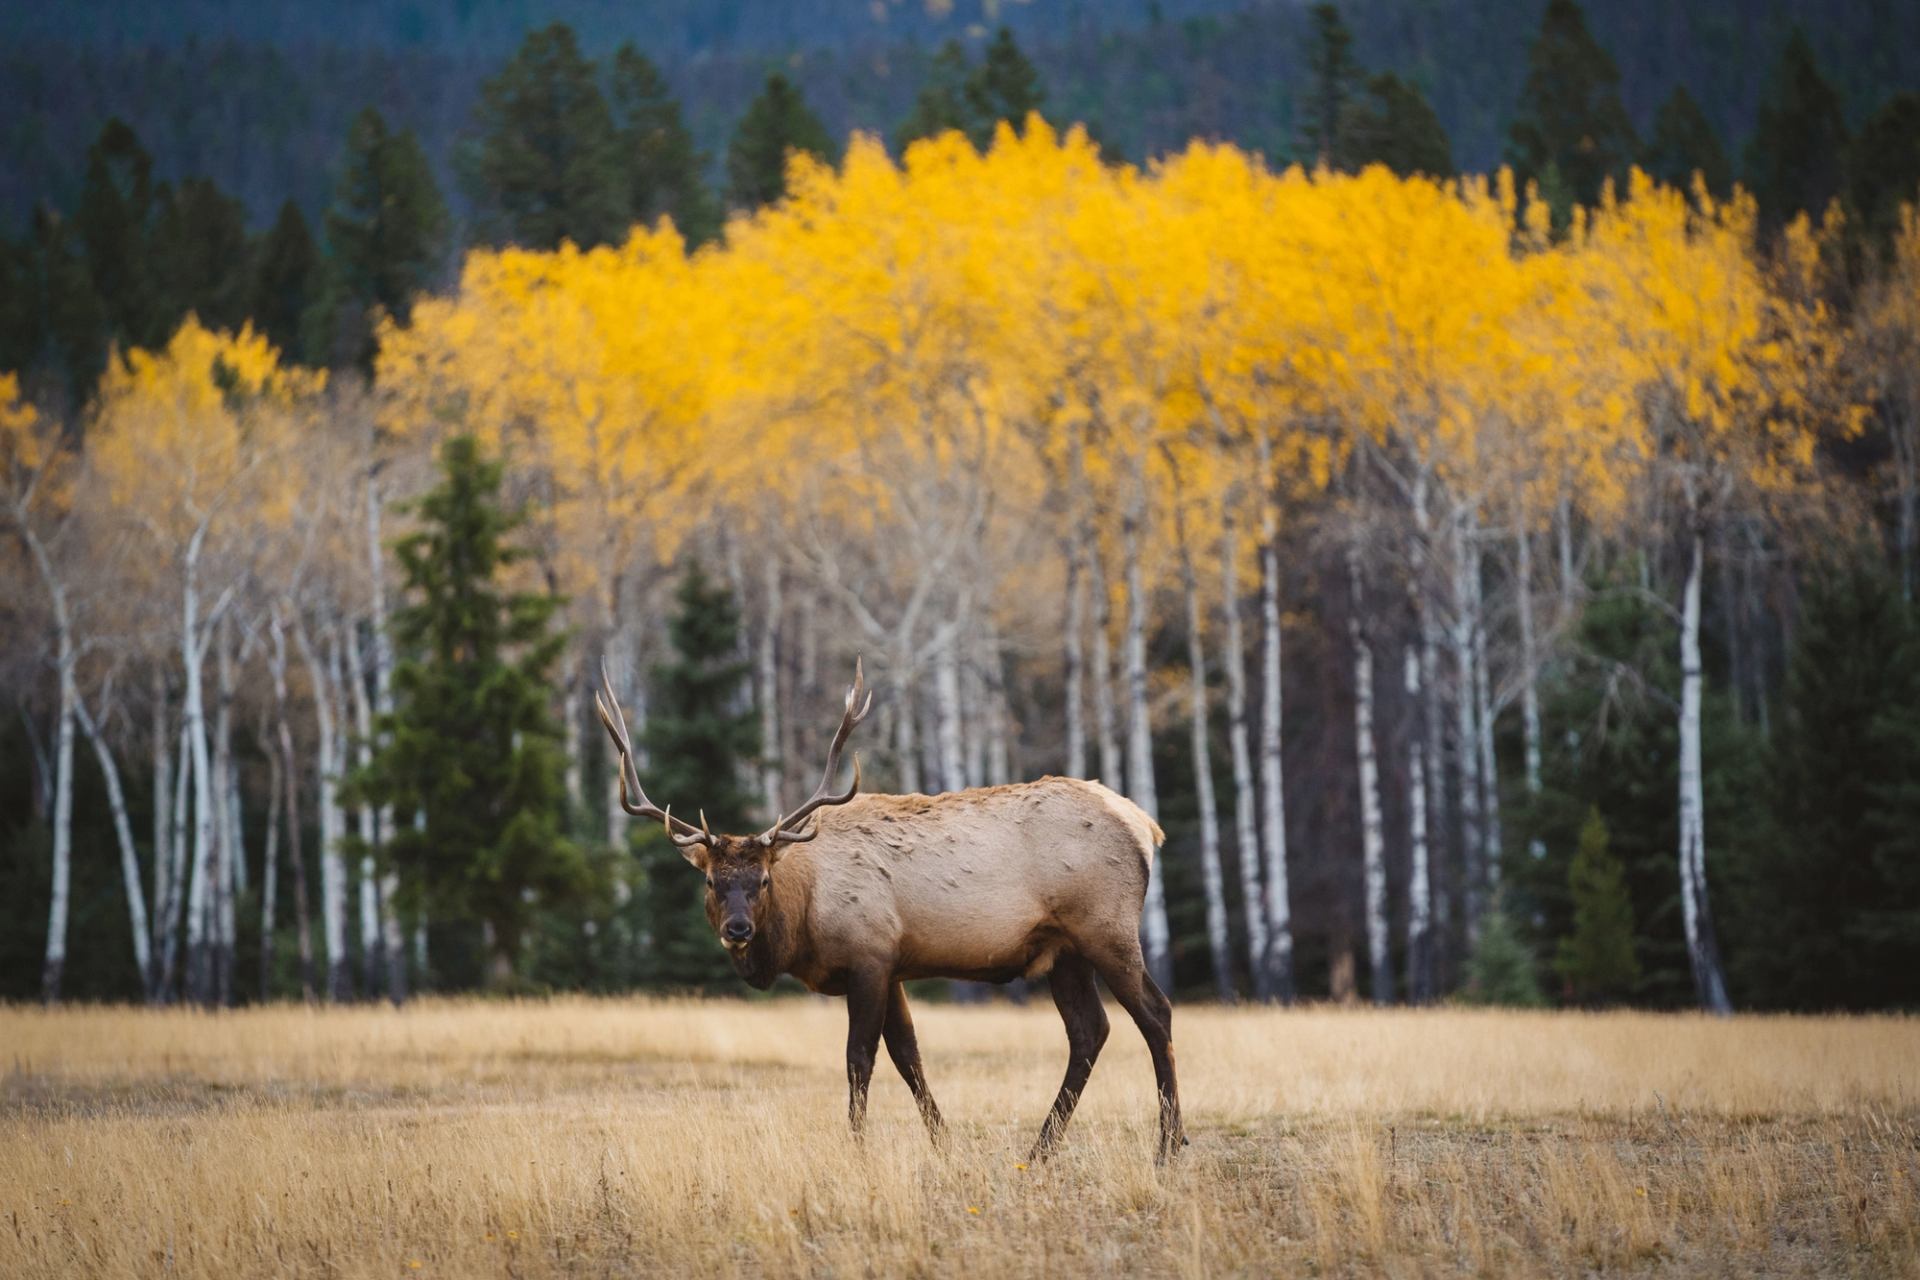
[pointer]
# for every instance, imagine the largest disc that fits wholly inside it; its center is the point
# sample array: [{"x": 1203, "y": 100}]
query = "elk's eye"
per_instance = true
[
  {"x": 765, "y": 880},
  {"x": 709, "y": 882}
]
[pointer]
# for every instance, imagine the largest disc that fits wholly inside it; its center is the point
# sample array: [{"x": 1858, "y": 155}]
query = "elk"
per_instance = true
[{"x": 854, "y": 894}]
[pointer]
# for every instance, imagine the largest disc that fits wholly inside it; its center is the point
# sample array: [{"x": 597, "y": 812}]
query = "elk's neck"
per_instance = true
[{"x": 781, "y": 947}]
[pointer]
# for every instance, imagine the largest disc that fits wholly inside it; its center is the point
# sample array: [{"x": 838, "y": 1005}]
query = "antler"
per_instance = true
[
  {"x": 785, "y": 829},
  {"x": 684, "y": 834}
]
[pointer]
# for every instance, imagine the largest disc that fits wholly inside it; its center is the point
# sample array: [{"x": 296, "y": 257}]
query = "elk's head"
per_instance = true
[{"x": 739, "y": 869}]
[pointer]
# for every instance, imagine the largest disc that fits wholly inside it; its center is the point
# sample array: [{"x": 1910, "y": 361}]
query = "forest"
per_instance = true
[{"x": 1487, "y": 548}]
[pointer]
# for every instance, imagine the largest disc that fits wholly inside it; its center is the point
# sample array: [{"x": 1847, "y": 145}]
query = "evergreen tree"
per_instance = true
[
  {"x": 1828, "y": 910},
  {"x": 1883, "y": 169},
  {"x": 386, "y": 232},
  {"x": 1684, "y": 144},
  {"x": 700, "y": 738},
  {"x": 1394, "y": 125},
  {"x": 777, "y": 123},
  {"x": 115, "y": 222},
  {"x": 1596, "y": 960},
  {"x": 662, "y": 167},
  {"x": 1500, "y": 968},
  {"x": 548, "y": 164},
  {"x": 1006, "y": 87},
  {"x": 69, "y": 325},
  {"x": 200, "y": 249},
  {"x": 1793, "y": 162},
  {"x": 286, "y": 280},
  {"x": 1570, "y": 117},
  {"x": 942, "y": 102},
  {"x": 1331, "y": 72},
  {"x": 472, "y": 746}
]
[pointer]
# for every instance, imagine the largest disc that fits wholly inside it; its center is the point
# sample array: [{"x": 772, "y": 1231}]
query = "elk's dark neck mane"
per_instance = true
[{"x": 781, "y": 947}]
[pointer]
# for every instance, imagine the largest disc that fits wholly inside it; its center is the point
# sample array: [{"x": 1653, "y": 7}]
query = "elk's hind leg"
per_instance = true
[
  {"x": 1125, "y": 973},
  {"x": 904, "y": 1049},
  {"x": 1078, "y": 1000}
]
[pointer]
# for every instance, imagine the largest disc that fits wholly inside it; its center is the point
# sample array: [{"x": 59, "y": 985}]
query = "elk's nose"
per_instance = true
[{"x": 738, "y": 930}]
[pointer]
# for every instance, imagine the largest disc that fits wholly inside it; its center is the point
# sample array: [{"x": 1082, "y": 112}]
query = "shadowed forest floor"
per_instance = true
[{"x": 641, "y": 1138}]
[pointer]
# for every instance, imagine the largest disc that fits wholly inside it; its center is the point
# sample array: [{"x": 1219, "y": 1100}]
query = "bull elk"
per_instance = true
[{"x": 854, "y": 894}]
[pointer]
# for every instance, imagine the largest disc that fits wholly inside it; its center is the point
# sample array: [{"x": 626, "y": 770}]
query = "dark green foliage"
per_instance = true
[
  {"x": 1006, "y": 89},
  {"x": 286, "y": 280},
  {"x": 1684, "y": 144},
  {"x": 942, "y": 102},
  {"x": 473, "y": 745},
  {"x": 1793, "y": 162},
  {"x": 70, "y": 349},
  {"x": 1331, "y": 72},
  {"x": 115, "y": 221},
  {"x": 1500, "y": 968},
  {"x": 700, "y": 737},
  {"x": 1394, "y": 125},
  {"x": 387, "y": 240},
  {"x": 548, "y": 166},
  {"x": 1883, "y": 169},
  {"x": 1570, "y": 116},
  {"x": 200, "y": 250},
  {"x": 1829, "y": 910},
  {"x": 1596, "y": 958},
  {"x": 662, "y": 168},
  {"x": 777, "y": 123}
]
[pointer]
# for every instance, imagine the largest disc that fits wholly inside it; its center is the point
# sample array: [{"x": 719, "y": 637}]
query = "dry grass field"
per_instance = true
[{"x": 644, "y": 1138}]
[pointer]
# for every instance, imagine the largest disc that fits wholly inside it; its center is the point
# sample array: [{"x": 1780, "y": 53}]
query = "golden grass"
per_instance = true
[{"x": 634, "y": 1137}]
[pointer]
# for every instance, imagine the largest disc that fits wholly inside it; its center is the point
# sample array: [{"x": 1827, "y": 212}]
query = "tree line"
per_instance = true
[{"x": 1497, "y": 586}]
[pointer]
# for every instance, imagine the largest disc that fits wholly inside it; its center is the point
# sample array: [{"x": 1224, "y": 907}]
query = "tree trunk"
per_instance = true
[
  {"x": 1703, "y": 947},
  {"x": 1246, "y": 841},
  {"x": 1106, "y": 717},
  {"x": 177, "y": 869},
  {"x": 1210, "y": 878},
  {"x": 129, "y": 855},
  {"x": 373, "y": 958},
  {"x": 906, "y": 741},
  {"x": 162, "y": 824},
  {"x": 333, "y": 871},
  {"x": 270, "y": 870},
  {"x": 1373, "y": 842},
  {"x": 227, "y": 851},
  {"x": 199, "y": 899},
  {"x": 1075, "y": 661},
  {"x": 1466, "y": 738},
  {"x": 946, "y": 685},
  {"x": 1529, "y": 674},
  {"x": 54, "y": 965},
  {"x": 1495, "y": 850},
  {"x": 1419, "y": 885},
  {"x": 1140, "y": 783},
  {"x": 769, "y": 690},
  {"x": 1273, "y": 809},
  {"x": 290, "y": 775},
  {"x": 999, "y": 764}
]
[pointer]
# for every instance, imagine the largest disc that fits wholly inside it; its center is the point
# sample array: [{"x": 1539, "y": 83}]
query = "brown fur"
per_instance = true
[{"x": 991, "y": 884}]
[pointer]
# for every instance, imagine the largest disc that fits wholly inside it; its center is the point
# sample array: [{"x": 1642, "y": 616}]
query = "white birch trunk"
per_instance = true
[
  {"x": 172, "y": 926},
  {"x": 333, "y": 872},
  {"x": 270, "y": 869},
  {"x": 946, "y": 686},
  {"x": 129, "y": 855},
  {"x": 1419, "y": 884},
  {"x": 381, "y": 658},
  {"x": 769, "y": 690},
  {"x": 1273, "y": 809},
  {"x": 1156, "y": 935},
  {"x": 290, "y": 780},
  {"x": 226, "y": 844},
  {"x": 1696, "y": 914},
  {"x": 53, "y": 966},
  {"x": 976, "y": 709},
  {"x": 906, "y": 740},
  {"x": 1373, "y": 845},
  {"x": 1529, "y": 675},
  {"x": 1466, "y": 738},
  {"x": 1106, "y": 717},
  {"x": 373, "y": 961},
  {"x": 1074, "y": 645},
  {"x": 162, "y": 818},
  {"x": 1211, "y": 880},
  {"x": 1495, "y": 848},
  {"x": 999, "y": 718},
  {"x": 199, "y": 893},
  {"x": 1246, "y": 840}
]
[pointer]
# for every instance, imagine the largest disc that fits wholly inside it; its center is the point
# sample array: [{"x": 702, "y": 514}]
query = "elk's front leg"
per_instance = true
[
  {"x": 904, "y": 1049},
  {"x": 866, "y": 1015}
]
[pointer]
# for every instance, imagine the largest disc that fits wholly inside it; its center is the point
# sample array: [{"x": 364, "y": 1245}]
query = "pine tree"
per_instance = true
[
  {"x": 69, "y": 322},
  {"x": 115, "y": 223},
  {"x": 1394, "y": 125},
  {"x": 1500, "y": 968},
  {"x": 777, "y": 123},
  {"x": 472, "y": 745},
  {"x": 700, "y": 739},
  {"x": 548, "y": 164},
  {"x": 941, "y": 104},
  {"x": 1793, "y": 162},
  {"x": 200, "y": 249},
  {"x": 1331, "y": 72},
  {"x": 662, "y": 168},
  {"x": 1684, "y": 144},
  {"x": 286, "y": 279},
  {"x": 1570, "y": 116},
  {"x": 1883, "y": 169},
  {"x": 1006, "y": 87},
  {"x": 387, "y": 237},
  {"x": 1596, "y": 960}
]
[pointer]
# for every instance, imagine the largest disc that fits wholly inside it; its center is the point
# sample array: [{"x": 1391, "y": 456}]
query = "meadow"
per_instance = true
[{"x": 643, "y": 1137}]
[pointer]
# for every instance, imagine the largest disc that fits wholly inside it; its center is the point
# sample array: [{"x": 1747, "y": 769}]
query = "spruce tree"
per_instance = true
[
  {"x": 1006, "y": 87},
  {"x": 115, "y": 223},
  {"x": 286, "y": 280},
  {"x": 1596, "y": 959},
  {"x": 1394, "y": 125},
  {"x": 700, "y": 738},
  {"x": 941, "y": 104},
  {"x": 662, "y": 166},
  {"x": 1793, "y": 162},
  {"x": 1883, "y": 169},
  {"x": 473, "y": 747},
  {"x": 200, "y": 248},
  {"x": 548, "y": 165},
  {"x": 1570, "y": 117},
  {"x": 777, "y": 123},
  {"x": 1683, "y": 144},
  {"x": 1331, "y": 72},
  {"x": 1500, "y": 968}
]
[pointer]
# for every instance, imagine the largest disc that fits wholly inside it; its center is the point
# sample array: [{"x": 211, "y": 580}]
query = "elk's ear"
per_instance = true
[{"x": 696, "y": 853}]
